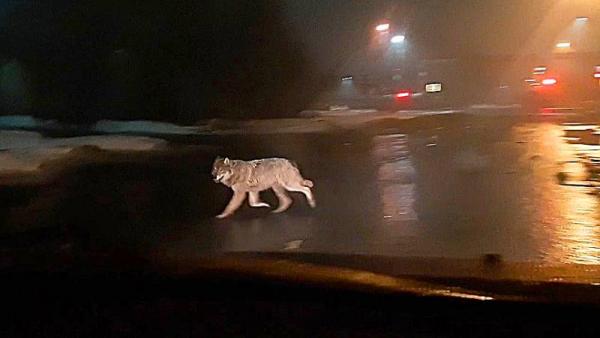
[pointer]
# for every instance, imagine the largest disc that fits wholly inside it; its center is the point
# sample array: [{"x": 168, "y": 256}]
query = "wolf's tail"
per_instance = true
[{"x": 307, "y": 183}]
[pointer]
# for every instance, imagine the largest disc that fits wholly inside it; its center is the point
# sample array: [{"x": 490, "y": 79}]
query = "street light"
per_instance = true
[
  {"x": 384, "y": 27},
  {"x": 563, "y": 45},
  {"x": 397, "y": 39},
  {"x": 582, "y": 19}
]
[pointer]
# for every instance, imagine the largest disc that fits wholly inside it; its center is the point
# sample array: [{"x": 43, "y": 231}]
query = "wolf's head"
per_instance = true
[{"x": 222, "y": 170}]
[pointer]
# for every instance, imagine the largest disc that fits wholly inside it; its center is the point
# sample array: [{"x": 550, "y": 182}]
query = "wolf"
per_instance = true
[{"x": 252, "y": 177}]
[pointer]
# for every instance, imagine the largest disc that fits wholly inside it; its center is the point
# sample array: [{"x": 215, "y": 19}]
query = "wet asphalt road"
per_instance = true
[
  {"x": 455, "y": 188},
  {"x": 458, "y": 191}
]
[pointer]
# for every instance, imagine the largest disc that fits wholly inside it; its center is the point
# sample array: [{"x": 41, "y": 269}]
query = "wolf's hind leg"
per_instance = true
[
  {"x": 284, "y": 200},
  {"x": 255, "y": 202},
  {"x": 234, "y": 204},
  {"x": 306, "y": 191}
]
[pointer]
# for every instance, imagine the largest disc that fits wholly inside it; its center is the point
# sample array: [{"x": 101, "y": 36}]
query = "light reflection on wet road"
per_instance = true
[
  {"x": 567, "y": 215},
  {"x": 456, "y": 192}
]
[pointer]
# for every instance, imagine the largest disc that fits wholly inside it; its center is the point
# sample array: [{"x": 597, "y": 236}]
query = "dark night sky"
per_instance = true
[
  {"x": 441, "y": 28},
  {"x": 177, "y": 61},
  {"x": 186, "y": 60}
]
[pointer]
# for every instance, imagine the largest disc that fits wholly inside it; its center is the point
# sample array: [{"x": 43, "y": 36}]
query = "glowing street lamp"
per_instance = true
[
  {"x": 582, "y": 19},
  {"x": 563, "y": 45}
]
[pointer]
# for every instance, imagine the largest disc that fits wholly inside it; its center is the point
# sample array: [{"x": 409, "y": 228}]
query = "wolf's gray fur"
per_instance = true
[{"x": 252, "y": 177}]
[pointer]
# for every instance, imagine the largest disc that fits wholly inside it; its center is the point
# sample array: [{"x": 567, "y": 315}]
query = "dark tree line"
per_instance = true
[{"x": 177, "y": 61}]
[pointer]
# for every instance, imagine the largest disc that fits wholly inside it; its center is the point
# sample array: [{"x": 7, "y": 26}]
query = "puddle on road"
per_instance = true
[{"x": 395, "y": 177}]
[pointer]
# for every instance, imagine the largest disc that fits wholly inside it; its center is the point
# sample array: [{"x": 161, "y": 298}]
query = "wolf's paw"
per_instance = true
[
  {"x": 261, "y": 205},
  {"x": 221, "y": 216}
]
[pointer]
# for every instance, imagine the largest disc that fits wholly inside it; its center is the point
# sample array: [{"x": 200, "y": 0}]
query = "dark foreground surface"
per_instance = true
[
  {"x": 451, "y": 186},
  {"x": 243, "y": 297}
]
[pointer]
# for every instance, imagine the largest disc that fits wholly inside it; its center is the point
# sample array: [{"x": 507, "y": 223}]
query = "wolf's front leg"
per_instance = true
[
  {"x": 255, "y": 201},
  {"x": 236, "y": 201}
]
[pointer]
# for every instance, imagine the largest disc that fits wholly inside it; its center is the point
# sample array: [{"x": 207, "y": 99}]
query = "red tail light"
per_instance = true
[
  {"x": 547, "y": 110},
  {"x": 403, "y": 94},
  {"x": 549, "y": 82}
]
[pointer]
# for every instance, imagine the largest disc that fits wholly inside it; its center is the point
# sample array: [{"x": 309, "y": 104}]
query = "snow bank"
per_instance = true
[
  {"x": 19, "y": 121},
  {"x": 19, "y": 140},
  {"x": 271, "y": 126},
  {"x": 112, "y": 142},
  {"x": 336, "y": 112},
  {"x": 495, "y": 106},
  {"x": 492, "y": 109},
  {"x": 310, "y": 122},
  {"x": 25, "y": 151},
  {"x": 142, "y": 127},
  {"x": 321, "y": 124},
  {"x": 407, "y": 114},
  {"x": 103, "y": 126}
]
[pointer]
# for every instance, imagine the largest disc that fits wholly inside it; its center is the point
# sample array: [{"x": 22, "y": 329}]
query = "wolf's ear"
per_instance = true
[{"x": 226, "y": 161}]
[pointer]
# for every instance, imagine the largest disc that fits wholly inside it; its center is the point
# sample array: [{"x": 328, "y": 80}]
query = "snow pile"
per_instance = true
[
  {"x": 272, "y": 126},
  {"x": 354, "y": 119},
  {"x": 495, "y": 106},
  {"x": 19, "y": 121},
  {"x": 19, "y": 140},
  {"x": 25, "y": 151},
  {"x": 336, "y": 112},
  {"x": 142, "y": 127},
  {"x": 408, "y": 114},
  {"x": 103, "y": 126},
  {"x": 112, "y": 142},
  {"x": 492, "y": 109}
]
